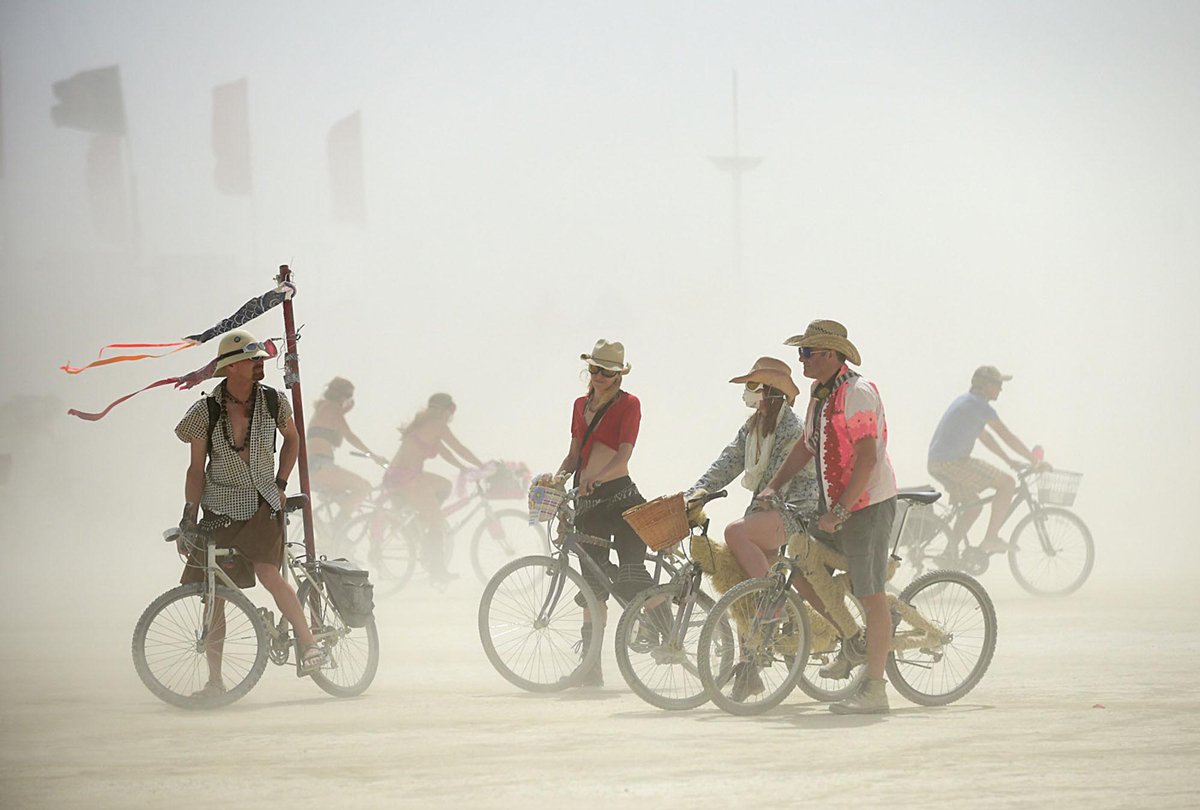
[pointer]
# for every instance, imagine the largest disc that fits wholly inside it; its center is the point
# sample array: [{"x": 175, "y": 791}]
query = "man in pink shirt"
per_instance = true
[{"x": 846, "y": 432}]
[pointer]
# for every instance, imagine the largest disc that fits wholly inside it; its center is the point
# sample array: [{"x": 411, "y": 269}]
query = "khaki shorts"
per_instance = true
[
  {"x": 864, "y": 540},
  {"x": 258, "y": 540},
  {"x": 966, "y": 478}
]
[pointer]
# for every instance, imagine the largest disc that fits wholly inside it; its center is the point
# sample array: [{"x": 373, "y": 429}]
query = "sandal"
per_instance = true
[{"x": 311, "y": 660}]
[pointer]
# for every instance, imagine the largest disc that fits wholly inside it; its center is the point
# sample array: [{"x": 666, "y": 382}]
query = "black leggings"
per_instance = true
[{"x": 600, "y": 516}]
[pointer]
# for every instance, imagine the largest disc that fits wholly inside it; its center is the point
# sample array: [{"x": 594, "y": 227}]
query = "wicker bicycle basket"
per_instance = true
[
  {"x": 1058, "y": 487},
  {"x": 661, "y": 523},
  {"x": 544, "y": 503}
]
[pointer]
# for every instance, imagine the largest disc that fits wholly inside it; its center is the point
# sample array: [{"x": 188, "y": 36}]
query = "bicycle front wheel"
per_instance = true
[
  {"x": 1051, "y": 553},
  {"x": 531, "y": 617},
  {"x": 657, "y": 641},
  {"x": 502, "y": 536},
  {"x": 178, "y": 633},
  {"x": 944, "y": 638},
  {"x": 351, "y": 653},
  {"x": 772, "y": 639}
]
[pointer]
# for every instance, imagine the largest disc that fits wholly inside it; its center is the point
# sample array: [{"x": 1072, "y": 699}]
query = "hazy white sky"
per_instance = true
[{"x": 1004, "y": 183}]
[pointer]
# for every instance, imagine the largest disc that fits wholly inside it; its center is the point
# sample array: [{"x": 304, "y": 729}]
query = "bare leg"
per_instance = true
[
  {"x": 750, "y": 537},
  {"x": 1001, "y": 506},
  {"x": 214, "y": 645},
  {"x": 286, "y": 600}
]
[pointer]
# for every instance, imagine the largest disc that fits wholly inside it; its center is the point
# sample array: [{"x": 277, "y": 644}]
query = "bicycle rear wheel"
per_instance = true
[
  {"x": 174, "y": 635},
  {"x": 658, "y": 662},
  {"x": 772, "y": 633},
  {"x": 387, "y": 543},
  {"x": 351, "y": 653},
  {"x": 505, "y": 535},
  {"x": 953, "y": 637},
  {"x": 530, "y": 620},
  {"x": 1051, "y": 553}
]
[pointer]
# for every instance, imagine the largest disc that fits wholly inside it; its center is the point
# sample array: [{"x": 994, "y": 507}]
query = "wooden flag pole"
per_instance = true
[{"x": 291, "y": 379}]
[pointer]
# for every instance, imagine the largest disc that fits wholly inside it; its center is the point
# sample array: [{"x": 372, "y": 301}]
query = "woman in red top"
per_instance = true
[{"x": 601, "y": 468}]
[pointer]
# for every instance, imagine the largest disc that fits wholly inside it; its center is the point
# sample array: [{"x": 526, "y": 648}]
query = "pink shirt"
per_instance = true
[{"x": 852, "y": 412}]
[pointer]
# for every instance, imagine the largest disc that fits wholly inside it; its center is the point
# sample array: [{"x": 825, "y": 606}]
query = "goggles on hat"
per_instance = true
[{"x": 250, "y": 348}]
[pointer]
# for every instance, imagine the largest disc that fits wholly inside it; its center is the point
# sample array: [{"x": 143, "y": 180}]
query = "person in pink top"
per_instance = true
[
  {"x": 427, "y": 436},
  {"x": 846, "y": 432}
]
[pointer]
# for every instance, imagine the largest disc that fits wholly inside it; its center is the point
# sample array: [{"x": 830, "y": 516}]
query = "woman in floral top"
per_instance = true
[{"x": 758, "y": 450}]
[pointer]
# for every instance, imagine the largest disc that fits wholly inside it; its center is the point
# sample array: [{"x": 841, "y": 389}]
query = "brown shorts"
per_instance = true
[
  {"x": 966, "y": 478},
  {"x": 258, "y": 540}
]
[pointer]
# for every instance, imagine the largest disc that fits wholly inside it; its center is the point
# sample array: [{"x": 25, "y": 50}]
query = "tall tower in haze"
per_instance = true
[{"x": 737, "y": 165}]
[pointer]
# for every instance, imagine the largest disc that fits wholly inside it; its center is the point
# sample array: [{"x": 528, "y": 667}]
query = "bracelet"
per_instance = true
[
  {"x": 281, "y": 483},
  {"x": 840, "y": 512}
]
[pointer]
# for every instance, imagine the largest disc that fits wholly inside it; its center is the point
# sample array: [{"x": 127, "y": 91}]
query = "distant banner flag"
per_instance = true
[
  {"x": 347, "y": 193},
  {"x": 92, "y": 101},
  {"x": 231, "y": 138},
  {"x": 107, "y": 195}
]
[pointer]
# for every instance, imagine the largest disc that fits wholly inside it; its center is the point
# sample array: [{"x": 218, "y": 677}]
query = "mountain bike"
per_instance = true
[
  {"x": 944, "y": 630},
  {"x": 387, "y": 533},
  {"x": 540, "y": 623},
  {"x": 177, "y": 631},
  {"x": 1050, "y": 552}
]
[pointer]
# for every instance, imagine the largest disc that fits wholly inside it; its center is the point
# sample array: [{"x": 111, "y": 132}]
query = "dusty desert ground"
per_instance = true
[{"x": 1091, "y": 702}]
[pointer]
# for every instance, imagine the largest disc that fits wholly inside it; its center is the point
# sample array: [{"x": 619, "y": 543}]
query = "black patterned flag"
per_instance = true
[
  {"x": 231, "y": 138},
  {"x": 347, "y": 196},
  {"x": 91, "y": 100}
]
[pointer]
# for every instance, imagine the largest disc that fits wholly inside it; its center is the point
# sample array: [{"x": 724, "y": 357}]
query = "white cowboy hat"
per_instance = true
[{"x": 609, "y": 356}]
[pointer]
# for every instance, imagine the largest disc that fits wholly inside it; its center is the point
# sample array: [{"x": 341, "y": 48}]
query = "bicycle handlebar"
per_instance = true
[{"x": 705, "y": 498}]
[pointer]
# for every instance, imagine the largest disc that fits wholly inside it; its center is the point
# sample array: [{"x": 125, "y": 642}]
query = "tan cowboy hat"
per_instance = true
[
  {"x": 236, "y": 346},
  {"x": 988, "y": 374},
  {"x": 826, "y": 335},
  {"x": 772, "y": 372},
  {"x": 609, "y": 356}
]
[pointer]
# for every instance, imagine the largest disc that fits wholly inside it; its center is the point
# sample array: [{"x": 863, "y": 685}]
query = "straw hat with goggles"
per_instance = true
[{"x": 772, "y": 372}]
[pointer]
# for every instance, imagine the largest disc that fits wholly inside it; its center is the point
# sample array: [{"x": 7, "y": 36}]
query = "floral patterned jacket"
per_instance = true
[{"x": 801, "y": 491}]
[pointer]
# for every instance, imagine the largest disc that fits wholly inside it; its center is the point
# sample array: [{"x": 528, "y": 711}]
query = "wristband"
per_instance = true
[
  {"x": 840, "y": 512},
  {"x": 281, "y": 483}
]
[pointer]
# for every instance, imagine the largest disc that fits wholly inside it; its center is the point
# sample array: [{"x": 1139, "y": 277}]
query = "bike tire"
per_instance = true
[
  {"x": 1061, "y": 572},
  {"x": 170, "y": 658},
  {"x": 351, "y": 653},
  {"x": 532, "y": 653},
  {"x": 961, "y": 609},
  {"x": 505, "y": 536},
  {"x": 780, "y": 653},
  {"x": 667, "y": 675}
]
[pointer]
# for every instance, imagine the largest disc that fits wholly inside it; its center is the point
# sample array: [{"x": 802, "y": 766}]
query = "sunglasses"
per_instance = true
[
  {"x": 603, "y": 372},
  {"x": 807, "y": 352},
  {"x": 753, "y": 386}
]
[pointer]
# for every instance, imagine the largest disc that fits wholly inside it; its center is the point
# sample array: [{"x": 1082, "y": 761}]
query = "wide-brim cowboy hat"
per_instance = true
[
  {"x": 235, "y": 347},
  {"x": 822, "y": 334},
  {"x": 609, "y": 356},
  {"x": 772, "y": 372}
]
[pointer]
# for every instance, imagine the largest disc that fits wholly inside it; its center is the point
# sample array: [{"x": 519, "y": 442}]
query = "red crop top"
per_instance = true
[{"x": 618, "y": 426}]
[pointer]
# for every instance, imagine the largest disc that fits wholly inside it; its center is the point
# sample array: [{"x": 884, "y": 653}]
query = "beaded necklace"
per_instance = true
[{"x": 226, "y": 423}]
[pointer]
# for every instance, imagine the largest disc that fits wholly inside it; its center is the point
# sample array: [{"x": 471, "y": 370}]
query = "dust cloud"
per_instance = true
[{"x": 1004, "y": 184}]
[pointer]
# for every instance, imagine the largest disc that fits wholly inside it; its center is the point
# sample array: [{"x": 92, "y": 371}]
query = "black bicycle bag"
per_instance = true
[{"x": 350, "y": 589}]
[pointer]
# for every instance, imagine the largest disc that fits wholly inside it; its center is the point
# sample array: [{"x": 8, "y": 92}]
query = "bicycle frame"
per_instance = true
[{"x": 1025, "y": 496}]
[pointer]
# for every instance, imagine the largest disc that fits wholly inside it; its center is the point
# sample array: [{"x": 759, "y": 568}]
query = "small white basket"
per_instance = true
[{"x": 544, "y": 503}]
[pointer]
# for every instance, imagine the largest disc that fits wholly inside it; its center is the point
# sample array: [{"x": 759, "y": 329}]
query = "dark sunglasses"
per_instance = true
[
  {"x": 603, "y": 372},
  {"x": 807, "y": 352}
]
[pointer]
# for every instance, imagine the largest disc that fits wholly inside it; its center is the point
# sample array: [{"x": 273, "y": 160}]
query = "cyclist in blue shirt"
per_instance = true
[{"x": 965, "y": 478}]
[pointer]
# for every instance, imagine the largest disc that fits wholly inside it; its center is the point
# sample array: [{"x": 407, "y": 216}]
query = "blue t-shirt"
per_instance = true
[{"x": 960, "y": 427}]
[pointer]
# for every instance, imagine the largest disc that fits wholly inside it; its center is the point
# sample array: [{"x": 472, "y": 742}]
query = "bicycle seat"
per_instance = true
[
  {"x": 921, "y": 494},
  {"x": 295, "y": 502}
]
